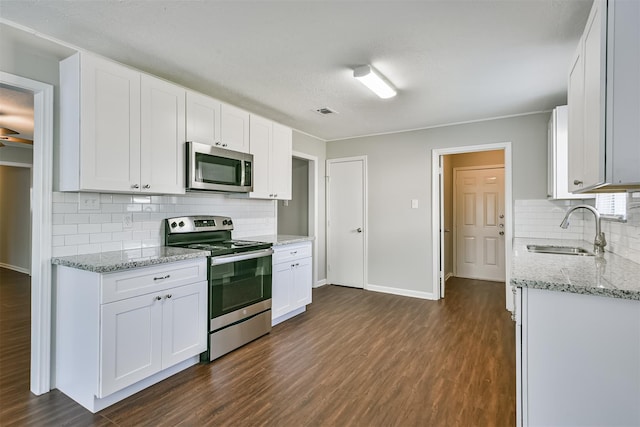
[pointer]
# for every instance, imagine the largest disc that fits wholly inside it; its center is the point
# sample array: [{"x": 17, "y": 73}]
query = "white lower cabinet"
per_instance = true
[
  {"x": 109, "y": 348},
  {"x": 292, "y": 281},
  {"x": 578, "y": 359}
]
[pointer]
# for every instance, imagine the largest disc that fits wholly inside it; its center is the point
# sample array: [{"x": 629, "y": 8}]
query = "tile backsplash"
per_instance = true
[
  {"x": 124, "y": 221},
  {"x": 541, "y": 219}
]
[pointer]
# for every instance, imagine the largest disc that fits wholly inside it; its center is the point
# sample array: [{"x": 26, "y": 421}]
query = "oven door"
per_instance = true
[{"x": 239, "y": 280}]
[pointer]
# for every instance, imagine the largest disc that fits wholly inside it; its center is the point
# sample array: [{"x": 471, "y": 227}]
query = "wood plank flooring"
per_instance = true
[{"x": 355, "y": 358}]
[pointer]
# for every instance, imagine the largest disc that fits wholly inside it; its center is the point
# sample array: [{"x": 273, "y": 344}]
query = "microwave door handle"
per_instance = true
[{"x": 226, "y": 259}]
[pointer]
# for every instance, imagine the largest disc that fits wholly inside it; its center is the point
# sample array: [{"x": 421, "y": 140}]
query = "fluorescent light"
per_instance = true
[{"x": 374, "y": 81}]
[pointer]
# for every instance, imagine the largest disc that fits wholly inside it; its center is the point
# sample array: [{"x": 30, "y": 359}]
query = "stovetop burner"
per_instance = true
[{"x": 209, "y": 233}]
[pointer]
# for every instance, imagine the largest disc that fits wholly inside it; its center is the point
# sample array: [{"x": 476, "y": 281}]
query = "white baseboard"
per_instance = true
[
  {"x": 16, "y": 268},
  {"x": 320, "y": 283},
  {"x": 448, "y": 276},
  {"x": 402, "y": 292}
]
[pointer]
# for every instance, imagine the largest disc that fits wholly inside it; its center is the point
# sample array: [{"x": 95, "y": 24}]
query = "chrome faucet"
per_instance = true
[{"x": 599, "y": 242}]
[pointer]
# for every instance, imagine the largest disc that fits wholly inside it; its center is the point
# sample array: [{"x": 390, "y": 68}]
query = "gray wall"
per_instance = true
[
  {"x": 293, "y": 215},
  {"x": 399, "y": 168},
  {"x": 310, "y": 145},
  {"x": 15, "y": 218}
]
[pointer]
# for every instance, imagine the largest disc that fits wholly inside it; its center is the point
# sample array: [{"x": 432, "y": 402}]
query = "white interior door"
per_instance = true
[
  {"x": 480, "y": 225},
  {"x": 346, "y": 232}
]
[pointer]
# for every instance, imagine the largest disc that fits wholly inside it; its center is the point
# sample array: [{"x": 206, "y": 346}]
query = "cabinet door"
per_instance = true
[
  {"x": 594, "y": 95},
  {"x": 184, "y": 323},
  {"x": 261, "y": 135},
  {"x": 280, "y": 167},
  {"x": 281, "y": 297},
  {"x": 162, "y": 136},
  {"x": 301, "y": 286},
  {"x": 575, "y": 97},
  {"x": 131, "y": 342},
  {"x": 109, "y": 125},
  {"x": 234, "y": 131},
  {"x": 203, "y": 119}
]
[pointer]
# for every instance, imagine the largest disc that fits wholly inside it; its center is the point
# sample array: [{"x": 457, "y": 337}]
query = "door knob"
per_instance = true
[
  {"x": 501, "y": 233},
  {"x": 359, "y": 230}
]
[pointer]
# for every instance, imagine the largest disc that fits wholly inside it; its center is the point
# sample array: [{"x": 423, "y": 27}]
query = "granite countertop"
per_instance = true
[
  {"x": 610, "y": 275},
  {"x": 280, "y": 239},
  {"x": 110, "y": 262}
]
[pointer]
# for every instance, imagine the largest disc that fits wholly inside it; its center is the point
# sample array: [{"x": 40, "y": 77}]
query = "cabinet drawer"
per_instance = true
[
  {"x": 139, "y": 281},
  {"x": 291, "y": 252}
]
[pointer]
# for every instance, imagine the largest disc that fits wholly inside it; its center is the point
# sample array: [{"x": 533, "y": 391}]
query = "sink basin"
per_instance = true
[{"x": 560, "y": 250}]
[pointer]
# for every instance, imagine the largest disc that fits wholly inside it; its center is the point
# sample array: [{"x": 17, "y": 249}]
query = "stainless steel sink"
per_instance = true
[{"x": 560, "y": 250}]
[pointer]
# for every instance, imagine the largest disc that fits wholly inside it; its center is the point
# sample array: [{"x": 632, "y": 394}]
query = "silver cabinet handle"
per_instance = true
[
  {"x": 577, "y": 182},
  {"x": 135, "y": 186},
  {"x": 168, "y": 296},
  {"x": 224, "y": 145},
  {"x": 217, "y": 143},
  {"x": 158, "y": 298},
  {"x": 162, "y": 278},
  {"x": 359, "y": 230},
  {"x": 275, "y": 195},
  {"x": 293, "y": 252},
  {"x": 147, "y": 186}
]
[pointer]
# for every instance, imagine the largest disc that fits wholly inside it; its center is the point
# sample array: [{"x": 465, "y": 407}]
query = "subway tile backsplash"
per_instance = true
[
  {"x": 124, "y": 221},
  {"x": 541, "y": 219}
]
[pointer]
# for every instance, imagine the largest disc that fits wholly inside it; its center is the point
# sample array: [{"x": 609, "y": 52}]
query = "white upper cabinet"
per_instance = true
[
  {"x": 162, "y": 136},
  {"x": 271, "y": 146},
  {"x": 234, "y": 131},
  {"x": 604, "y": 100},
  {"x": 211, "y": 122},
  {"x": 203, "y": 119},
  {"x": 116, "y": 124},
  {"x": 557, "y": 166}
]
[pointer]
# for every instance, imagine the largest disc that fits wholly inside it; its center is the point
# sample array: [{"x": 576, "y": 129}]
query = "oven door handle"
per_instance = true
[{"x": 226, "y": 259}]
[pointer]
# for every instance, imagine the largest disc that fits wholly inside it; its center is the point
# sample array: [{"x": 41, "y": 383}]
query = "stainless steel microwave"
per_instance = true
[{"x": 212, "y": 168}]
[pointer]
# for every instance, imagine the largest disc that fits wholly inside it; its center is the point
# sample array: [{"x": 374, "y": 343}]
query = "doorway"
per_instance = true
[
  {"x": 347, "y": 221},
  {"x": 443, "y": 226},
  {"x": 41, "y": 227},
  {"x": 299, "y": 216}
]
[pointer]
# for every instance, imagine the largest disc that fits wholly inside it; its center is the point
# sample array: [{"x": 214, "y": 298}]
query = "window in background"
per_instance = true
[{"x": 612, "y": 206}]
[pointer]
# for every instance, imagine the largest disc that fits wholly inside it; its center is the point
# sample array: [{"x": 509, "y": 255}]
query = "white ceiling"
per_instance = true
[
  {"x": 451, "y": 60},
  {"x": 16, "y": 111}
]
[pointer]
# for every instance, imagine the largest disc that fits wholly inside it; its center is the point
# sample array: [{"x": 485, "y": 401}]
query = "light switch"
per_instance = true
[{"x": 414, "y": 203}]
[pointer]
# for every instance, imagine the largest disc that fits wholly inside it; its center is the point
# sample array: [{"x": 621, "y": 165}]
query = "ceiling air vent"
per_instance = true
[{"x": 325, "y": 111}]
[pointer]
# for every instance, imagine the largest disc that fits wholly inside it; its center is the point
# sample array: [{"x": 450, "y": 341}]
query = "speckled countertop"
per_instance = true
[
  {"x": 109, "y": 262},
  {"x": 610, "y": 275},
  {"x": 280, "y": 239}
]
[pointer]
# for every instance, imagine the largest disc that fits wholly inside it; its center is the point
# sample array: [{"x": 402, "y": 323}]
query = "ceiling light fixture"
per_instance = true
[{"x": 372, "y": 79}]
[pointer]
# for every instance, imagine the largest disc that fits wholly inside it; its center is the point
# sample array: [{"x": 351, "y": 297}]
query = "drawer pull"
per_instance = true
[
  {"x": 294, "y": 252},
  {"x": 168, "y": 296},
  {"x": 162, "y": 278},
  {"x": 158, "y": 298}
]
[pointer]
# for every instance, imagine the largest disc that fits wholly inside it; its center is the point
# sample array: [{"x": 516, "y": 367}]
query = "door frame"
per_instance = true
[
  {"x": 437, "y": 222},
  {"x": 455, "y": 229},
  {"x": 313, "y": 207},
  {"x": 365, "y": 214},
  {"x": 41, "y": 228}
]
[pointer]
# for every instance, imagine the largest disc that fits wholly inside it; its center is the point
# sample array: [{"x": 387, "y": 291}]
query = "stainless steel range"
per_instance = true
[{"x": 239, "y": 280}]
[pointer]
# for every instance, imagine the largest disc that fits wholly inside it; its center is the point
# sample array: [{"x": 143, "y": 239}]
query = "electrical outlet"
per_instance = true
[
  {"x": 88, "y": 201},
  {"x": 414, "y": 203},
  {"x": 127, "y": 221}
]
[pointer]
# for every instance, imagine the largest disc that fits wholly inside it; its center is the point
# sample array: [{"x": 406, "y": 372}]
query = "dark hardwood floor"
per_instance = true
[{"x": 355, "y": 358}]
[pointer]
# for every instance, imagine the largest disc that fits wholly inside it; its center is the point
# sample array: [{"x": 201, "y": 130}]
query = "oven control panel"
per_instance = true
[{"x": 192, "y": 224}]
